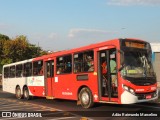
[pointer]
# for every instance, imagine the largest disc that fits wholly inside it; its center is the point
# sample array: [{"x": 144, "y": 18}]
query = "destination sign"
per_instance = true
[{"x": 135, "y": 44}]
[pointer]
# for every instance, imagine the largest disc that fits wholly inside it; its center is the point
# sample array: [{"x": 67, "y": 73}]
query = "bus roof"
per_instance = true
[
  {"x": 74, "y": 50},
  {"x": 20, "y": 62}
]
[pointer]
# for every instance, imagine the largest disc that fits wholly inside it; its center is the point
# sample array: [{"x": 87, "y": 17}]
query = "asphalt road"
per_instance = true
[{"x": 68, "y": 110}]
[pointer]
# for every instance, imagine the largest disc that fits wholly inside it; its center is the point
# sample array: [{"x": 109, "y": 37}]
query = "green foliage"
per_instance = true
[
  {"x": 3, "y": 37},
  {"x": 17, "y": 49}
]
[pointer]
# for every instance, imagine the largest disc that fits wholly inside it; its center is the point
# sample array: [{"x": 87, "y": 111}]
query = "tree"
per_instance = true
[
  {"x": 3, "y": 39},
  {"x": 18, "y": 49}
]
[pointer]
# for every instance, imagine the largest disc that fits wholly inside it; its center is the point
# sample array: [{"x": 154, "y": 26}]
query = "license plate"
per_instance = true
[{"x": 148, "y": 96}]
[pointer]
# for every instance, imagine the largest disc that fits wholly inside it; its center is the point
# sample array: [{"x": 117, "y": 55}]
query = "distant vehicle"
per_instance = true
[{"x": 115, "y": 71}]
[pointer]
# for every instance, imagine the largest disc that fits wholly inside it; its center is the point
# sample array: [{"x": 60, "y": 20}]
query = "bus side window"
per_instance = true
[
  {"x": 6, "y": 72},
  {"x": 19, "y": 72},
  {"x": 12, "y": 71},
  {"x": 84, "y": 62},
  {"x": 38, "y": 68},
  {"x": 78, "y": 61},
  {"x": 64, "y": 64},
  {"x": 27, "y": 69}
]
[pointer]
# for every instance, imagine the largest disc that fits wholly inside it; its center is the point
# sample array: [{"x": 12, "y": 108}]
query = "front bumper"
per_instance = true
[{"x": 128, "y": 98}]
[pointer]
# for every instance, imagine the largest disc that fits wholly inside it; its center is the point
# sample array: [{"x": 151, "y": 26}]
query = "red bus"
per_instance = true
[{"x": 115, "y": 71}]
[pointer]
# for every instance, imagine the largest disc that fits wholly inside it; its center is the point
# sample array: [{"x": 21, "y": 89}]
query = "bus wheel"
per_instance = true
[
  {"x": 86, "y": 98},
  {"x": 18, "y": 93},
  {"x": 26, "y": 94}
]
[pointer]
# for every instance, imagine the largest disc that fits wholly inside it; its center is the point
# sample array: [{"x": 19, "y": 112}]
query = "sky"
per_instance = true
[{"x": 65, "y": 24}]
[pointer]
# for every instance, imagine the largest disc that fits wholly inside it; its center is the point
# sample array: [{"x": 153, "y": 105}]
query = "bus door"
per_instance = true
[
  {"x": 107, "y": 75},
  {"x": 49, "y": 77}
]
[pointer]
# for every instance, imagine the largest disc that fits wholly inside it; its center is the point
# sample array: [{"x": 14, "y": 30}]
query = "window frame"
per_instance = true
[
  {"x": 63, "y": 64},
  {"x": 12, "y": 73},
  {"x": 25, "y": 73},
  {"x": 6, "y": 74},
  {"x": 83, "y": 61},
  {"x": 17, "y": 71},
  {"x": 39, "y": 69}
]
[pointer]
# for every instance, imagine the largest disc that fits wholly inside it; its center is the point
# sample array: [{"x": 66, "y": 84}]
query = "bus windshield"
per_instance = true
[{"x": 137, "y": 64}]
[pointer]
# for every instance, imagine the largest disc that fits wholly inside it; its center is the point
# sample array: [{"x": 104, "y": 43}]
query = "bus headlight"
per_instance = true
[
  {"x": 125, "y": 87},
  {"x": 128, "y": 89},
  {"x": 131, "y": 91}
]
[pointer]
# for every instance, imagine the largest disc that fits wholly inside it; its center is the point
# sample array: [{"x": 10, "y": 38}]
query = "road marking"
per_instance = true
[
  {"x": 32, "y": 105},
  {"x": 16, "y": 105},
  {"x": 22, "y": 109},
  {"x": 5, "y": 107},
  {"x": 7, "y": 104}
]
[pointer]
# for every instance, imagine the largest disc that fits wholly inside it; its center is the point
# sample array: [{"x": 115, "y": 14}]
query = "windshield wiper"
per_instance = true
[{"x": 144, "y": 60}]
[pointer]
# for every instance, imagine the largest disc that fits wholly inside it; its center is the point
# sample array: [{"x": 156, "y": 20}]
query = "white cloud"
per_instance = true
[
  {"x": 53, "y": 36},
  {"x": 48, "y": 41},
  {"x": 81, "y": 32},
  {"x": 40, "y": 36},
  {"x": 133, "y": 2}
]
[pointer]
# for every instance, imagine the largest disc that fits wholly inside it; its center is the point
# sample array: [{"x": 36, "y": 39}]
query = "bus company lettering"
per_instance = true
[
  {"x": 139, "y": 90},
  {"x": 67, "y": 93}
]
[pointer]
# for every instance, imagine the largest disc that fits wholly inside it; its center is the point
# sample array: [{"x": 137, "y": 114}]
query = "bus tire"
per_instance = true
[
  {"x": 86, "y": 98},
  {"x": 18, "y": 92},
  {"x": 26, "y": 94}
]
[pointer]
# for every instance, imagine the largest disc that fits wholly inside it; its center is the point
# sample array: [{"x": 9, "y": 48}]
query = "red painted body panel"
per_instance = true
[
  {"x": 67, "y": 85},
  {"x": 37, "y": 90}
]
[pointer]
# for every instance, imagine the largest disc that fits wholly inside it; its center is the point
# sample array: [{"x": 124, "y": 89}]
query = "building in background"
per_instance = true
[{"x": 156, "y": 59}]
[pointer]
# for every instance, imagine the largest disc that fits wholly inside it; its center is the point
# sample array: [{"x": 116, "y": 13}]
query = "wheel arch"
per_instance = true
[
  {"x": 19, "y": 87},
  {"x": 19, "y": 95},
  {"x": 25, "y": 86}
]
